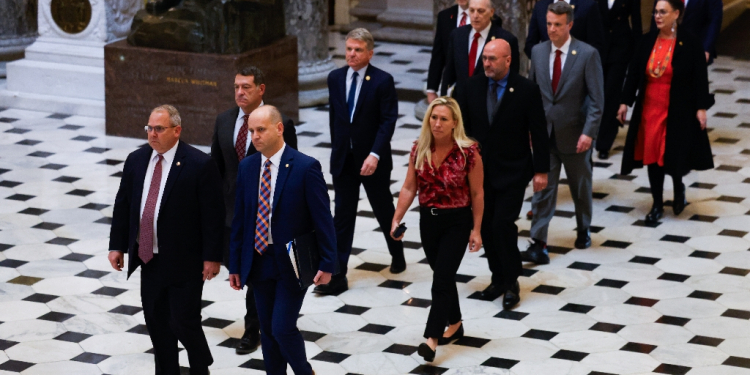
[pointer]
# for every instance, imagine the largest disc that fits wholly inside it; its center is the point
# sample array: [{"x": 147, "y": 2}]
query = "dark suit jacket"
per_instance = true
[
  {"x": 686, "y": 146},
  {"x": 223, "y": 153},
  {"x": 189, "y": 226},
  {"x": 446, "y": 23},
  {"x": 457, "y": 60},
  {"x": 506, "y": 154},
  {"x": 587, "y": 24},
  {"x": 619, "y": 37},
  {"x": 375, "y": 115},
  {"x": 300, "y": 205},
  {"x": 703, "y": 19}
]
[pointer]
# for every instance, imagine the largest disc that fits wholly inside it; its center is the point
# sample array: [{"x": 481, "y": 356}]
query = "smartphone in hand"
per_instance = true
[{"x": 399, "y": 230}]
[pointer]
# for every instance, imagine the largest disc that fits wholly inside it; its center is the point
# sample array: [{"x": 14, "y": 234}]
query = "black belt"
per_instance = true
[{"x": 444, "y": 211}]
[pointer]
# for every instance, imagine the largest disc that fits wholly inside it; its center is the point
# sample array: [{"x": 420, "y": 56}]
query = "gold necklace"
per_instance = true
[{"x": 661, "y": 66}]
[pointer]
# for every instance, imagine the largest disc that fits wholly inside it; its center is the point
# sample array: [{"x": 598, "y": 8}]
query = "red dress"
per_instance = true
[
  {"x": 446, "y": 186},
  {"x": 652, "y": 133}
]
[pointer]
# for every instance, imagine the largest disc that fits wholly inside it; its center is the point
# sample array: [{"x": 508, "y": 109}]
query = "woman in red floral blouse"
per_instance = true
[{"x": 446, "y": 168}]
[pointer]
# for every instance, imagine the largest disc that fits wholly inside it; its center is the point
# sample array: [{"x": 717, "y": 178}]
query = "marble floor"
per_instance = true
[{"x": 672, "y": 298}]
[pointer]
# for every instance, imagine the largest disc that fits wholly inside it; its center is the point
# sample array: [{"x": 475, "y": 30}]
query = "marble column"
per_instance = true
[
  {"x": 516, "y": 20},
  {"x": 308, "y": 21},
  {"x": 17, "y": 29}
]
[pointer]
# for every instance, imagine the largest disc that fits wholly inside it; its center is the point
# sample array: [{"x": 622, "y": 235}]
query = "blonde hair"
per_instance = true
[{"x": 426, "y": 139}]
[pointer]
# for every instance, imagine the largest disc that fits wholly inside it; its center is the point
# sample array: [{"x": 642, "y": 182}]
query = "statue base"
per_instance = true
[{"x": 199, "y": 85}]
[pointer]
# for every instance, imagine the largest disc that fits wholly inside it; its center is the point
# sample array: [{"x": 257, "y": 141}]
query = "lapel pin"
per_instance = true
[
  {"x": 287, "y": 165},
  {"x": 680, "y": 43},
  {"x": 367, "y": 78},
  {"x": 574, "y": 52},
  {"x": 510, "y": 89},
  {"x": 572, "y": 6},
  {"x": 178, "y": 163},
  {"x": 493, "y": 38}
]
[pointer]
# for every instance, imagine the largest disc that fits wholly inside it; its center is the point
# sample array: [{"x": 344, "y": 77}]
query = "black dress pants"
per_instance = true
[
  {"x": 346, "y": 187},
  {"x": 500, "y": 234},
  {"x": 614, "y": 77},
  {"x": 173, "y": 312},
  {"x": 445, "y": 235},
  {"x": 251, "y": 311}
]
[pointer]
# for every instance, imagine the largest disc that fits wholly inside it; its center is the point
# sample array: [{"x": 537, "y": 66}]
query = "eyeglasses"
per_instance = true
[
  {"x": 157, "y": 129},
  {"x": 661, "y": 13}
]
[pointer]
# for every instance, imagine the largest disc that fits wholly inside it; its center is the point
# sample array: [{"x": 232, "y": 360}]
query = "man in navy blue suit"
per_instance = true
[
  {"x": 588, "y": 26},
  {"x": 703, "y": 19},
  {"x": 168, "y": 216},
  {"x": 362, "y": 117},
  {"x": 281, "y": 195},
  {"x": 448, "y": 20}
]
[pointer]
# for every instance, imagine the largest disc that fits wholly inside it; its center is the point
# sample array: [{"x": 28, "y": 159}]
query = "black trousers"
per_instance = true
[
  {"x": 251, "y": 312},
  {"x": 656, "y": 180},
  {"x": 173, "y": 312},
  {"x": 500, "y": 234},
  {"x": 445, "y": 236},
  {"x": 346, "y": 187},
  {"x": 614, "y": 77}
]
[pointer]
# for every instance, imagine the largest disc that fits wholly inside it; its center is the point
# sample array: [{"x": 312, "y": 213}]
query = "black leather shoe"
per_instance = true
[
  {"x": 603, "y": 155},
  {"x": 398, "y": 265},
  {"x": 583, "y": 240},
  {"x": 536, "y": 253},
  {"x": 679, "y": 202},
  {"x": 530, "y": 215},
  {"x": 491, "y": 293},
  {"x": 249, "y": 343},
  {"x": 512, "y": 297},
  {"x": 455, "y": 336},
  {"x": 426, "y": 352},
  {"x": 656, "y": 213},
  {"x": 335, "y": 287}
]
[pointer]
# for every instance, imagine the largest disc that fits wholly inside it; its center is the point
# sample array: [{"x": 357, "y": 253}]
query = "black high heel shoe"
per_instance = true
[
  {"x": 426, "y": 352},
  {"x": 455, "y": 336},
  {"x": 656, "y": 213}
]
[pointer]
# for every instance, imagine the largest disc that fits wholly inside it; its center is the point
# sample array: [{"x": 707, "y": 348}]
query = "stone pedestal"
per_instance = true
[
  {"x": 63, "y": 71},
  {"x": 17, "y": 29},
  {"x": 396, "y": 20},
  {"x": 200, "y": 85},
  {"x": 308, "y": 21}
]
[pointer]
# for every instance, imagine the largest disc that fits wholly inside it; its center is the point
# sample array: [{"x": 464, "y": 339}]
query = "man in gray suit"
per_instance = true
[
  {"x": 569, "y": 74},
  {"x": 231, "y": 143}
]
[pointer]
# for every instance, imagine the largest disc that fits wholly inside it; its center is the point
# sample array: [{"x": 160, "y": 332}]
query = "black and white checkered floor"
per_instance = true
[{"x": 673, "y": 298}]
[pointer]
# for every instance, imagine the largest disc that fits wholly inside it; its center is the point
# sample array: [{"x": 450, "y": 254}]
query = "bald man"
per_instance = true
[
  {"x": 281, "y": 195},
  {"x": 500, "y": 109}
]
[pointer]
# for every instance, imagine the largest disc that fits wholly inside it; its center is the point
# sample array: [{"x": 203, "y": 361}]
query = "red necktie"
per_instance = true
[
  {"x": 556, "y": 71},
  {"x": 241, "y": 145},
  {"x": 473, "y": 54},
  {"x": 146, "y": 240},
  {"x": 463, "y": 19}
]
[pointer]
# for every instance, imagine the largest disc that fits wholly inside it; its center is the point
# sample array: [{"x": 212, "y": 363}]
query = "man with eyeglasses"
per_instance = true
[
  {"x": 231, "y": 143},
  {"x": 168, "y": 216}
]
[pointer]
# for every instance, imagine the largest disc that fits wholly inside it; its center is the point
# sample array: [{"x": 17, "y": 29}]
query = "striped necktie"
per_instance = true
[{"x": 264, "y": 210}]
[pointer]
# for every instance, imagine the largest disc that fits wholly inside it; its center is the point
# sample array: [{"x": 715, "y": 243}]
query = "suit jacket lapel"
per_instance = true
[
  {"x": 463, "y": 49},
  {"x": 226, "y": 138},
  {"x": 363, "y": 91},
  {"x": 284, "y": 166},
  {"x": 138, "y": 179},
  {"x": 508, "y": 96},
  {"x": 544, "y": 80},
  {"x": 174, "y": 172},
  {"x": 569, "y": 62}
]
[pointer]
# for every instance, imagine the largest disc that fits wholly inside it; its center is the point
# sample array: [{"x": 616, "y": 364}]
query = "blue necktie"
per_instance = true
[{"x": 352, "y": 91}]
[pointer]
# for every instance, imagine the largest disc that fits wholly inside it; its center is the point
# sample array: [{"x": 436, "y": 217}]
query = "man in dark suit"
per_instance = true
[
  {"x": 447, "y": 20},
  {"x": 362, "y": 117},
  {"x": 703, "y": 19},
  {"x": 620, "y": 40},
  {"x": 466, "y": 44},
  {"x": 281, "y": 195},
  {"x": 500, "y": 109},
  {"x": 167, "y": 216},
  {"x": 587, "y": 28},
  {"x": 229, "y": 146},
  {"x": 569, "y": 75}
]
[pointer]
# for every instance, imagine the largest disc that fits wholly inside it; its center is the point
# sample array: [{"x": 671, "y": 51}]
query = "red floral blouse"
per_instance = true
[{"x": 447, "y": 186}]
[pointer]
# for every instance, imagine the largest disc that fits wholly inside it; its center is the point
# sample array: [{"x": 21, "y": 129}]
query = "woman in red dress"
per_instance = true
[
  {"x": 446, "y": 169},
  {"x": 668, "y": 128}
]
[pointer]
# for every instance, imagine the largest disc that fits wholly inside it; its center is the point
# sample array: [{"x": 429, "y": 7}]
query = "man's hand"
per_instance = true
[
  {"x": 622, "y": 113},
  {"x": 369, "y": 166},
  {"x": 210, "y": 269},
  {"x": 708, "y": 56},
  {"x": 322, "y": 278},
  {"x": 540, "y": 181},
  {"x": 584, "y": 143},
  {"x": 116, "y": 259},
  {"x": 701, "y": 116},
  {"x": 234, "y": 281},
  {"x": 430, "y": 97}
]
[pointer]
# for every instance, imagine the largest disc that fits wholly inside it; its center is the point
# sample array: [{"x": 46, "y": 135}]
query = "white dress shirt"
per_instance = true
[
  {"x": 166, "y": 165},
  {"x": 238, "y": 125},
  {"x": 275, "y": 161},
  {"x": 612, "y": 2},
  {"x": 360, "y": 79},
  {"x": 480, "y": 42},
  {"x": 461, "y": 13},
  {"x": 563, "y": 57}
]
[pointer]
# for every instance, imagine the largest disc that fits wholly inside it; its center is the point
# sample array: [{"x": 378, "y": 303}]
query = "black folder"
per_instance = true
[{"x": 306, "y": 257}]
